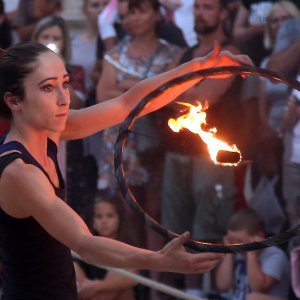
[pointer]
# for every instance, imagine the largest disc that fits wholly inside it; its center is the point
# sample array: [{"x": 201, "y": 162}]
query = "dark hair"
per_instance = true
[
  {"x": 247, "y": 219},
  {"x": 108, "y": 196},
  {"x": 15, "y": 64},
  {"x": 137, "y": 4},
  {"x": 52, "y": 21},
  {"x": 25, "y": 14}
]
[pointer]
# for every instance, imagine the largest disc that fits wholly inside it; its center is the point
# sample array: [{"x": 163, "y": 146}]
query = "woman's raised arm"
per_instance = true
[{"x": 84, "y": 122}]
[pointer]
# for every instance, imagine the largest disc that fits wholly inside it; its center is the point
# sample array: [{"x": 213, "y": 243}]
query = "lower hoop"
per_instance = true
[{"x": 131, "y": 200}]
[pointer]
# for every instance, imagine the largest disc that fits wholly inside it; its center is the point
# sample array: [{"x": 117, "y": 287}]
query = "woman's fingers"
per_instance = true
[
  {"x": 216, "y": 50},
  {"x": 181, "y": 261},
  {"x": 176, "y": 243},
  {"x": 204, "y": 262}
]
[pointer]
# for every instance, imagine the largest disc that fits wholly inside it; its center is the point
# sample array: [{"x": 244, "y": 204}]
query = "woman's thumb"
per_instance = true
[{"x": 179, "y": 241}]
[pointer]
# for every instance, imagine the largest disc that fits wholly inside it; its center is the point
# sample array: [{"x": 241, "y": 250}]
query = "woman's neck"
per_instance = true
[
  {"x": 90, "y": 32},
  {"x": 144, "y": 44},
  {"x": 35, "y": 143}
]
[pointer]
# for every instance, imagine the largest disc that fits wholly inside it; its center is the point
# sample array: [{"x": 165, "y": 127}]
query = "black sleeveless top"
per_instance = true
[{"x": 36, "y": 266}]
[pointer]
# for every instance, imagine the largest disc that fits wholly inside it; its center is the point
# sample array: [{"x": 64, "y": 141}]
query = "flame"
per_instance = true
[{"x": 193, "y": 121}]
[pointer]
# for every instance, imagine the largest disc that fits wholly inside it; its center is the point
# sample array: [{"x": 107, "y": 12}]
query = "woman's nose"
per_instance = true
[{"x": 63, "y": 97}]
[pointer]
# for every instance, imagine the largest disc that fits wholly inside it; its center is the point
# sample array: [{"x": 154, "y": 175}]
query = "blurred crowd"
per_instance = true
[{"x": 122, "y": 42}]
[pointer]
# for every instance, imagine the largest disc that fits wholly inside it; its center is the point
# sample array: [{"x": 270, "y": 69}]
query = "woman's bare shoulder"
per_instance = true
[
  {"x": 20, "y": 179},
  {"x": 15, "y": 182},
  {"x": 17, "y": 169}
]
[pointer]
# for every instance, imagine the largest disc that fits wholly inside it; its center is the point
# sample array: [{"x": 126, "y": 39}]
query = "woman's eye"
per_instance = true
[
  {"x": 66, "y": 85},
  {"x": 48, "y": 88}
]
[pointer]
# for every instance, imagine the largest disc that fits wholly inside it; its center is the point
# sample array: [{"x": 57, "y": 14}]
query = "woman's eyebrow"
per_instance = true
[{"x": 52, "y": 78}]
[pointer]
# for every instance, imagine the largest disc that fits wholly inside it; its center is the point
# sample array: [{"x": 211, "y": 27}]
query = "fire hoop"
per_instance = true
[{"x": 131, "y": 200}]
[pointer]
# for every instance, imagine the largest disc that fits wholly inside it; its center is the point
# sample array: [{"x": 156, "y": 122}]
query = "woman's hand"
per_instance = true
[
  {"x": 87, "y": 289},
  {"x": 218, "y": 58},
  {"x": 174, "y": 258}
]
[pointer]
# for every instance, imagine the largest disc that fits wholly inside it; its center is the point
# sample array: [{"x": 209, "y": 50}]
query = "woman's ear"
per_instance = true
[{"x": 12, "y": 101}]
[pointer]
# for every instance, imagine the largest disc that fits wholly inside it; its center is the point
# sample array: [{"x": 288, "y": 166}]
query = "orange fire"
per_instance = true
[{"x": 193, "y": 121}]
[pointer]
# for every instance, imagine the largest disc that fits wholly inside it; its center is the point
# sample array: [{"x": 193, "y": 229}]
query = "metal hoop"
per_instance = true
[{"x": 131, "y": 200}]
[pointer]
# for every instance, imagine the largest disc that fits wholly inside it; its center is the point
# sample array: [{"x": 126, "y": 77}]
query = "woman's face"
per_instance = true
[
  {"x": 106, "y": 220},
  {"x": 276, "y": 18},
  {"x": 93, "y": 8},
  {"x": 52, "y": 35},
  {"x": 46, "y": 101},
  {"x": 143, "y": 19},
  {"x": 124, "y": 16}
]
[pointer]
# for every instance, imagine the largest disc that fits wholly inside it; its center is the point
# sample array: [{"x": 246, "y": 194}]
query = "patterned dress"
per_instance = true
[{"x": 138, "y": 68}]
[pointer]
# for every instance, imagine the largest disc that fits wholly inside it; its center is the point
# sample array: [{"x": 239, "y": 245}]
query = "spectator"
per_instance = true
[
  {"x": 182, "y": 16},
  {"x": 255, "y": 275},
  {"x": 142, "y": 54},
  {"x": 11, "y": 8},
  {"x": 285, "y": 57},
  {"x": 113, "y": 25},
  {"x": 107, "y": 220},
  {"x": 274, "y": 95},
  {"x": 5, "y": 28},
  {"x": 87, "y": 150},
  {"x": 29, "y": 12},
  {"x": 249, "y": 27},
  {"x": 106, "y": 24},
  {"x": 110, "y": 31},
  {"x": 273, "y": 98},
  {"x": 86, "y": 42},
  {"x": 5, "y": 42},
  {"x": 53, "y": 31},
  {"x": 291, "y": 162},
  {"x": 198, "y": 195},
  {"x": 295, "y": 270}
]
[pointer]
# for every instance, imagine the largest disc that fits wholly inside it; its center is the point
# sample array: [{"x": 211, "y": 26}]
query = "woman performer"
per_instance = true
[{"x": 37, "y": 227}]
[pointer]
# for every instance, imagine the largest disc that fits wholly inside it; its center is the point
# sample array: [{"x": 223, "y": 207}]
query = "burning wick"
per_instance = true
[{"x": 220, "y": 152}]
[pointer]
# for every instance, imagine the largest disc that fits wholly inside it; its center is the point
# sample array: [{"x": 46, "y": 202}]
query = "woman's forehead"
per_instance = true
[
  {"x": 53, "y": 28},
  {"x": 49, "y": 63},
  {"x": 104, "y": 205}
]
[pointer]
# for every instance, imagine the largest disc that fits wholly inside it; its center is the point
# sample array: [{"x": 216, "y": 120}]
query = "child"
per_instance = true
[
  {"x": 107, "y": 220},
  {"x": 259, "y": 275}
]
